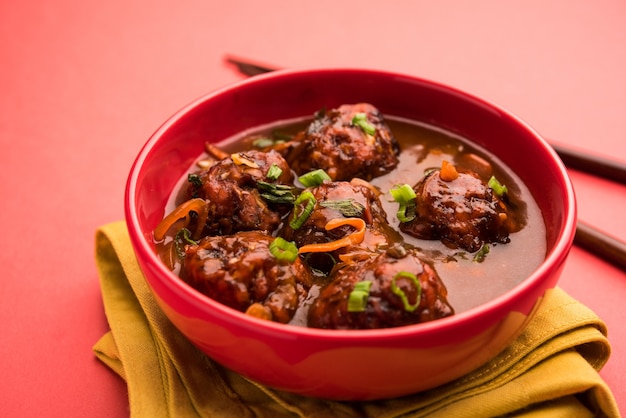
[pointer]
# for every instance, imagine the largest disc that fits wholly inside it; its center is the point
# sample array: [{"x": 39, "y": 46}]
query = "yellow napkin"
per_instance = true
[{"x": 550, "y": 370}]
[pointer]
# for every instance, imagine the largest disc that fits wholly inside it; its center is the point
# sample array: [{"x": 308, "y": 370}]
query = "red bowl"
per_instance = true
[{"x": 346, "y": 365}]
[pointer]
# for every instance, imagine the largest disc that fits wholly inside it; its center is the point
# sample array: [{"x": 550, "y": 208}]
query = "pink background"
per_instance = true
[{"x": 84, "y": 84}]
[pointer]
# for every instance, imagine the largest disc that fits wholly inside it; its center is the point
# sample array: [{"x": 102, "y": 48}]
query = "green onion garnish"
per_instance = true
[
  {"x": 262, "y": 143},
  {"x": 314, "y": 178},
  {"x": 360, "y": 120},
  {"x": 276, "y": 193},
  {"x": 284, "y": 250},
  {"x": 280, "y": 136},
  {"x": 194, "y": 179},
  {"x": 302, "y": 209},
  {"x": 349, "y": 208},
  {"x": 405, "y": 196},
  {"x": 357, "y": 300},
  {"x": 405, "y": 300},
  {"x": 196, "y": 183},
  {"x": 274, "y": 172},
  {"x": 182, "y": 237},
  {"x": 480, "y": 255},
  {"x": 498, "y": 188}
]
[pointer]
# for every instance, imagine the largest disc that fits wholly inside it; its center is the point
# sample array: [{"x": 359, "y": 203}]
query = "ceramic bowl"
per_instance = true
[{"x": 346, "y": 365}]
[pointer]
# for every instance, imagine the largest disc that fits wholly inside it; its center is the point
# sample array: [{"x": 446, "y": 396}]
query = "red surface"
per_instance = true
[{"x": 84, "y": 84}]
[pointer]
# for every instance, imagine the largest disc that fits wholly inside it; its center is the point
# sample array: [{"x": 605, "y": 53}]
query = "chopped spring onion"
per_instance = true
[
  {"x": 402, "y": 193},
  {"x": 405, "y": 300},
  {"x": 274, "y": 172},
  {"x": 194, "y": 179},
  {"x": 480, "y": 255},
  {"x": 405, "y": 196},
  {"x": 498, "y": 188},
  {"x": 262, "y": 142},
  {"x": 354, "y": 238},
  {"x": 276, "y": 193},
  {"x": 275, "y": 138},
  {"x": 280, "y": 136},
  {"x": 196, "y": 183},
  {"x": 360, "y": 120},
  {"x": 357, "y": 300},
  {"x": 314, "y": 178},
  {"x": 302, "y": 209},
  {"x": 182, "y": 237},
  {"x": 348, "y": 207},
  {"x": 430, "y": 170},
  {"x": 284, "y": 250}
]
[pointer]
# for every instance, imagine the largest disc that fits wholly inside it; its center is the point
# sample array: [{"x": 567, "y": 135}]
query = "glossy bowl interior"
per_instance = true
[{"x": 347, "y": 365}]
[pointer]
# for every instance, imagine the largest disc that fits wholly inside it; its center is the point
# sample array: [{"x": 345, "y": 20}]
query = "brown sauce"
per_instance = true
[{"x": 424, "y": 147}]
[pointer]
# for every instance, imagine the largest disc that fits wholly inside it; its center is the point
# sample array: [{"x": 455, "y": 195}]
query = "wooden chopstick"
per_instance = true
[
  {"x": 601, "y": 244},
  {"x": 249, "y": 68},
  {"x": 588, "y": 237},
  {"x": 592, "y": 164}
]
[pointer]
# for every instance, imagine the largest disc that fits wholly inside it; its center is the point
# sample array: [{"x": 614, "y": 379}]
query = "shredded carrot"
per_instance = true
[
  {"x": 214, "y": 151},
  {"x": 448, "y": 171},
  {"x": 183, "y": 212},
  {"x": 354, "y": 238}
]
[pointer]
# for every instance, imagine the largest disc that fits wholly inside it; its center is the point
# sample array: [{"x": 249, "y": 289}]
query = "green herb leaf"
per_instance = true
[
  {"x": 349, "y": 208},
  {"x": 182, "y": 238},
  {"x": 360, "y": 120},
  {"x": 405, "y": 300},
  {"x": 357, "y": 300},
  {"x": 196, "y": 184},
  {"x": 194, "y": 179},
  {"x": 276, "y": 193},
  {"x": 480, "y": 255}
]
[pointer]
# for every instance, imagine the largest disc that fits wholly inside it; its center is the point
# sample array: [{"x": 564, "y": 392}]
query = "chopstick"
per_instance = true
[
  {"x": 592, "y": 164},
  {"x": 601, "y": 244},
  {"x": 587, "y": 237}
]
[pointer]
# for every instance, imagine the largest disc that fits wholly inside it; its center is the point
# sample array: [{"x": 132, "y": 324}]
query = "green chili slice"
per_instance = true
[
  {"x": 498, "y": 188},
  {"x": 357, "y": 300},
  {"x": 405, "y": 300},
  {"x": 284, "y": 250},
  {"x": 360, "y": 120},
  {"x": 314, "y": 178},
  {"x": 302, "y": 209},
  {"x": 405, "y": 196}
]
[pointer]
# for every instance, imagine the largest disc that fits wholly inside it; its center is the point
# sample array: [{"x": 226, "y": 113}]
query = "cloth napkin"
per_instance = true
[{"x": 550, "y": 370}]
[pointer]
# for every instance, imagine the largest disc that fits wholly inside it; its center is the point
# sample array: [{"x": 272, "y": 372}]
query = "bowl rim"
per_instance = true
[{"x": 554, "y": 258}]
